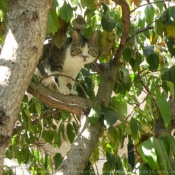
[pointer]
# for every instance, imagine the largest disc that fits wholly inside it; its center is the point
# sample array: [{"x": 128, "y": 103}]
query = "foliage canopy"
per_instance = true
[{"x": 140, "y": 108}]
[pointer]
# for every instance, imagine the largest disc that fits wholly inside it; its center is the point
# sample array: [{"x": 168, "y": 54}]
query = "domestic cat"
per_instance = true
[{"x": 67, "y": 61}]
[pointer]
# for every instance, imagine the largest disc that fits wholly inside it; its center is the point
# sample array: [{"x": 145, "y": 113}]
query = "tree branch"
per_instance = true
[
  {"x": 69, "y": 103},
  {"x": 126, "y": 28},
  {"x": 139, "y": 31},
  {"x": 162, "y": 1}
]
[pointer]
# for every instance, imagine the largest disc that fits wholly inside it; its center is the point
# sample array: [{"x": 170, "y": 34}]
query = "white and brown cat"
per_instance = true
[{"x": 67, "y": 61}]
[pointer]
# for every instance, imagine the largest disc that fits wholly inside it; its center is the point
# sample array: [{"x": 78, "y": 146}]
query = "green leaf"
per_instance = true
[
  {"x": 57, "y": 138},
  {"x": 61, "y": 131},
  {"x": 37, "y": 155},
  {"x": 66, "y": 12},
  {"x": 26, "y": 120},
  {"x": 114, "y": 136},
  {"x": 160, "y": 5},
  {"x": 171, "y": 45},
  {"x": 153, "y": 61},
  {"x": 108, "y": 22},
  {"x": 3, "y": 10},
  {"x": 53, "y": 23},
  {"x": 149, "y": 14},
  {"x": 95, "y": 113},
  {"x": 110, "y": 118},
  {"x": 148, "y": 153},
  {"x": 57, "y": 160},
  {"x": 48, "y": 135},
  {"x": 38, "y": 108},
  {"x": 141, "y": 20},
  {"x": 166, "y": 143},
  {"x": 171, "y": 142},
  {"x": 165, "y": 110},
  {"x": 106, "y": 168},
  {"x": 119, "y": 165},
  {"x": 111, "y": 160},
  {"x": 154, "y": 84},
  {"x": 134, "y": 128},
  {"x": 55, "y": 3},
  {"x": 88, "y": 4},
  {"x": 147, "y": 50},
  {"x": 105, "y": 7},
  {"x": 70, "y": 132},
  {"x": 159, "y": 26},
  {"x": 171, "y": 13},
  {"x": 127, "y": 55},
  {"x": 73, "y": 3},
  {"x": 65, "y": 115},
  {"x": 89, "y": 169},
  {"x": 162, "y": 157},
  {"x": 171, "y": 88},
  {"x": 126, "y": 76},
  {"x": 25, "y": 99},
  {"x": 134, "y": 64},
  {"x": 144, "y": 169},
  {"x": 168, "y": 75},
  {"x": 120, "y": 105},
  {"x": 45, "y": 160}
]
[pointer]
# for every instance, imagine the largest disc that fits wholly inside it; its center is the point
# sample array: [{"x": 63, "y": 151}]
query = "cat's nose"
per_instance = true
[{"x": 84, "y": 57}]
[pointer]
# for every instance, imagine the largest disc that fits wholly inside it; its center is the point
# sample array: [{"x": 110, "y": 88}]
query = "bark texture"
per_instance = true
[
  {"x": 22, "y": 49},
  {"x": 70, "y": 103},
  {"x": 81, "y": 149}
]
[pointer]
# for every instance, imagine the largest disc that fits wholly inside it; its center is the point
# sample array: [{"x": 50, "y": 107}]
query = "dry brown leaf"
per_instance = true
[
  {"x": 60, "y": 36},
  {"x": 79, "y": 23},
  {"x": 107, "y": 43}
]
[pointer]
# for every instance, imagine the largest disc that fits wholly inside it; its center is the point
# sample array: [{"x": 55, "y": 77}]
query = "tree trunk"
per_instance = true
[
  {"x": 81, "y": 149},
  {"x": 26, "y": 29},
  {"x": 88, "y": 136}
]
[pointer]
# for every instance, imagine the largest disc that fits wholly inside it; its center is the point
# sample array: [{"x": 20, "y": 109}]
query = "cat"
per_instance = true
[{"x": 67, "y": 61}]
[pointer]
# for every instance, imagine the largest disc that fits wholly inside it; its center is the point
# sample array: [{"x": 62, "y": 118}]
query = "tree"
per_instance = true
[{"x": 136, "y": 58}]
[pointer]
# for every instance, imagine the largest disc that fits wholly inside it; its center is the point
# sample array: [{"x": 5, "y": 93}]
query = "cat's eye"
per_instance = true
[
  {"x": 93, "y": 52},
  {"x": 76, "y": 51}
]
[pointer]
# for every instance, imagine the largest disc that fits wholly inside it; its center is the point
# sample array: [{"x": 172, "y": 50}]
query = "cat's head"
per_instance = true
[{"x": 85, "y": 50}]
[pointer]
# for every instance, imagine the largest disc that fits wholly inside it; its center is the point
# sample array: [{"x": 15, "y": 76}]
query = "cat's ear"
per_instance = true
[
  {"x": 76, "y": 37},
  {"x": 94, "y": 38}
]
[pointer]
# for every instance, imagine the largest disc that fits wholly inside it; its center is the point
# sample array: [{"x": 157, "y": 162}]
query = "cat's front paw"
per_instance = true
[
  {"x": 49, "y": 82},
  {"x": 73, "y": 92},
  {"x": 64, "y": 91}
]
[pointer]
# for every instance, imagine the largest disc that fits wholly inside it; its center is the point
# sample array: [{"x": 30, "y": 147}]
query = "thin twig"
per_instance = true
[
  {"x": 74, "y": 116},
  {"x": 147, "y": 4},
  {"x": 140, "y": 31}
]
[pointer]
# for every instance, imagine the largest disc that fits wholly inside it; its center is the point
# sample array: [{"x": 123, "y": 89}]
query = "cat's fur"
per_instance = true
[{"x": 67, "y": 61}]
